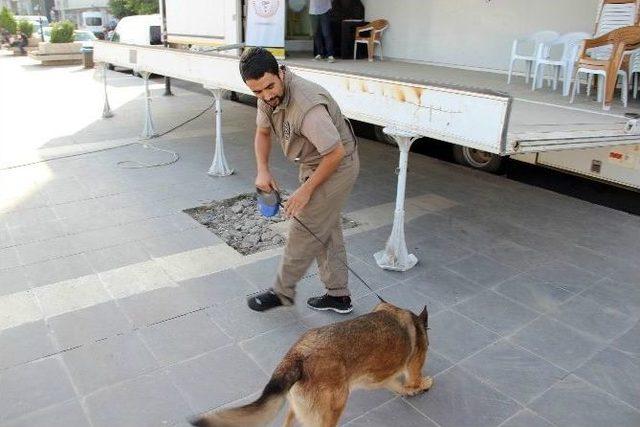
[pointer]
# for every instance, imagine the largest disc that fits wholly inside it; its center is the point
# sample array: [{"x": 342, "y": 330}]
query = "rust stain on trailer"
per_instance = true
[{"x": 397, "y": 92}]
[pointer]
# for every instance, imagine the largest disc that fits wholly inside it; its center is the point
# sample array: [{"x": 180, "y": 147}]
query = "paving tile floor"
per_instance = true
[{"x": 114, "y": 313}]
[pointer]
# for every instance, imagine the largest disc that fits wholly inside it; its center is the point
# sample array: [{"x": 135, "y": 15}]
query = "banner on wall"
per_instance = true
[{"x": 265, "y": 23}]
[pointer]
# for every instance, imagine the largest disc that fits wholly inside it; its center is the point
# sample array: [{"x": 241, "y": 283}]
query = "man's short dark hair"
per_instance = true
[{"x": 256, "y": 62}]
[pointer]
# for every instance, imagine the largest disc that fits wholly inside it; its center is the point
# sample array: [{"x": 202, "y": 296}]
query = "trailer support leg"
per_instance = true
[
  {"x": 219, "y": 166},
  {"x": 395, "y": 255},
  {"x": 106, "y": 109},
  {"x": 148, "y": 131}
]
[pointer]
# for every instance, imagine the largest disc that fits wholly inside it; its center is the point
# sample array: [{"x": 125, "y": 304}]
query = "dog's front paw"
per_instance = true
[{"x": 423, "y": 386}]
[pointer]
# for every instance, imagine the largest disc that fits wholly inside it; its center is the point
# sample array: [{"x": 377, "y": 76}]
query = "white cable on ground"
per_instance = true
[{"x": 141, "y": 165}]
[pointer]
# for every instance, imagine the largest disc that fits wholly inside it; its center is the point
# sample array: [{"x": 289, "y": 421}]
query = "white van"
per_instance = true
[
  {"x": 93, "y": 21},
  {"x": 138, "y": 29}
]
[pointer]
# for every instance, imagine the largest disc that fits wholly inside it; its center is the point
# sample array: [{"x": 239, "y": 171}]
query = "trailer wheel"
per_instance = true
[
  {"x": 383, "y": 137},
  {"x": 478, "y": 159}
]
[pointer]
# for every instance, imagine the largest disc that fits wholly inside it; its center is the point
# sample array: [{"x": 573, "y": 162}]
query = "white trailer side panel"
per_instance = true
[{"x": 206, "y": 22}]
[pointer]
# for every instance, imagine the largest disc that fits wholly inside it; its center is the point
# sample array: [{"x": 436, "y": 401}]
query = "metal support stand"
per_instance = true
[
  {"x": 395, "y": 255},
  {"x": 219, "y": 166},
  {"x": 148, "y": 131},
  {"x": 167, "y": 86},
  {"x": 106, "y": 110}
]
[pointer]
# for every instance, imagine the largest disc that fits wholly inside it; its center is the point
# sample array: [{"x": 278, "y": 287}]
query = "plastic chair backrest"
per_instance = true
[
  {"x": 543, "y": 37},
  {"x": 379, "y": 24},
  {"x": 613, "y": 14},
  {"x": 572, "y": 43}
]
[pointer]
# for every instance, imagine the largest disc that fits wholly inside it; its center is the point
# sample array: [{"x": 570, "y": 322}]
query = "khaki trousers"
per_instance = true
[{"x": 323, "y": 216}]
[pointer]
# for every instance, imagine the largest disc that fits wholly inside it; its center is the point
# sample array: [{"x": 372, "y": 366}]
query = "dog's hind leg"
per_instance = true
[{"x": 331, "y": 406}]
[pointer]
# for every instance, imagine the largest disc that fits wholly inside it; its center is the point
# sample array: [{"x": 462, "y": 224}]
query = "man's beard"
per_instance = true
[{"x": 274, "y": 102}]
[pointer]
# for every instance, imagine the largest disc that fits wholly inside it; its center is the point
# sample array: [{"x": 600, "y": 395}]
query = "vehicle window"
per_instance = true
[
  {"x": 115, "y": 37},
  {"x": 155, "y": 35},
  {"x": 81, "y": 37},
  {"x": 93, "y": 21}
]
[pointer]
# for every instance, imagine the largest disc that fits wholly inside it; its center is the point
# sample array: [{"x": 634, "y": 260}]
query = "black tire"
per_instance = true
[
  {"x": 383, "y": 137},
  {"x": 478, "y": 159},
  {"x": 111, "y": 67}
]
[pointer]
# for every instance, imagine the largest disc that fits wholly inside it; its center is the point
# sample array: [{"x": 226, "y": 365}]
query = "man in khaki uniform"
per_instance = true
[{"x": 314, "y": 134}]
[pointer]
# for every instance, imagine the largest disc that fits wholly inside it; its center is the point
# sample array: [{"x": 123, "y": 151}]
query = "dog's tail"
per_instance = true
[{"x": 263, "y": 410}]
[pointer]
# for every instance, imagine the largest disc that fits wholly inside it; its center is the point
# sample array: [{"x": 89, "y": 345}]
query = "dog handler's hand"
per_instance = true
[
  {"x": 265, "y": 181},
  {"x": 297, "y": 201}
]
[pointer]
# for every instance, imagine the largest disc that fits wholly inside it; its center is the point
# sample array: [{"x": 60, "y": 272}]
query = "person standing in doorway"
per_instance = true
[
  {"x": 308, "y": 124},
  {"x": 320, "y": 14}
]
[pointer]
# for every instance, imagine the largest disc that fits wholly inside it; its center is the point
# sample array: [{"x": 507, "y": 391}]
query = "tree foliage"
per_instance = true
[
  {"x": 121, "y": 8},
  {"x": 7, "y": 21}
]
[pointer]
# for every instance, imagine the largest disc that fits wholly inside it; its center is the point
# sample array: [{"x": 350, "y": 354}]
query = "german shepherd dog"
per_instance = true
[{"x": 386, "y": 348}]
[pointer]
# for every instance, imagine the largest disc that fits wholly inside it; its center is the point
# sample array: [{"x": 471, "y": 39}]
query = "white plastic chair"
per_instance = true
[
  {"x": 634, "y": 70},
  {"x": 539, "y": 40},
  {"x": 570, "y": 43}
]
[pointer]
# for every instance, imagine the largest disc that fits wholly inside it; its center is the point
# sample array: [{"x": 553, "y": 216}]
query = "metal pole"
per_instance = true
[
  {"x": 395, "y": 255},
  {"x": 165, "y": 42},
  {"x": 106, "y": 110},
  {"x": 148, "y": 130},
  {"x": 219, "y": 166}
]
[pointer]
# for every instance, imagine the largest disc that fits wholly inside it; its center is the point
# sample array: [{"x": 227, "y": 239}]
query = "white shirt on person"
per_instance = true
[{"x": 318, "y": 7}]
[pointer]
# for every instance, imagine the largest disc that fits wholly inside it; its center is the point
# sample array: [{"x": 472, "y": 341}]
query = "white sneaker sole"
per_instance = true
[{"x": 337, "y": 310}]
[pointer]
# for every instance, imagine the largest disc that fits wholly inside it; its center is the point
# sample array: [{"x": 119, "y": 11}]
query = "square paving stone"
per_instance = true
[
  {"x": 362, "y": 401},
  {"x": 183, "y": 337},
  {"x": 526, "y": 418},
  {"x": 516, "y": 256},
  {"x": 405, "y": 296},
  {"x": 219, "y": 288},
  {"x": 9, "y": 258},
  {"x": 158, "y": 305},
  {"x": 241, "y": 323},
  {"x": 616, "y": 372},
  {"x": 630, "y": 341},
  {"x": 261, "y": 273},
  {"x": 268, "y": 349},
  {"x": 107, "y": 362},
  {"x": 394, "y": 413},
  {"x": 458, "y": 399},
  {"x": 589, "y": 317},
  {"x": 483, "y": 270},
  {"x": 622, "y": 297},
  {"x": 571, "y": 278},
  {"x": 88, "y": 325},
  {"x": 557, "y": 343},
  {"x": 24, "y": 343},
  {"x": 574, "y": 403},
  {"x": 68, "y": 414},
  {"x": 444, "y": 286},
  {"x": 496, "y": 312},
  {"x": 58, "y": 270},
  {"x": 30, "y": 387},
  {"x": 146, "y": 401},
  {"x": 456, "y": 337},
  {"x": 217, "y": 377},
  {"x": 513, "y": 371},
  {"x": 13, "y": 280},
  {"x": 117, "y": 256},
  {"x": 531, "y": 292}
]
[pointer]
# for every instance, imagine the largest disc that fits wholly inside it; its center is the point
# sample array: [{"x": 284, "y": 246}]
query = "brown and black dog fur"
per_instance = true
[{"x": 386, "y": 348}]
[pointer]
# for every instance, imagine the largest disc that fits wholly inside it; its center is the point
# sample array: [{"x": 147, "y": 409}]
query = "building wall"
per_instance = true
[{"x": 472, "y": 33}]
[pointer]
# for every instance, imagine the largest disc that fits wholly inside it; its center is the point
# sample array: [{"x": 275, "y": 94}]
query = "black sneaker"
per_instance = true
[
  {"x": 327, "y": 302},
  {"x": 267, "y": 300}
]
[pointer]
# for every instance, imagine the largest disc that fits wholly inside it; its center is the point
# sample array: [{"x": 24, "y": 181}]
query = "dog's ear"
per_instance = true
[{"x": 424, "y": 317}]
